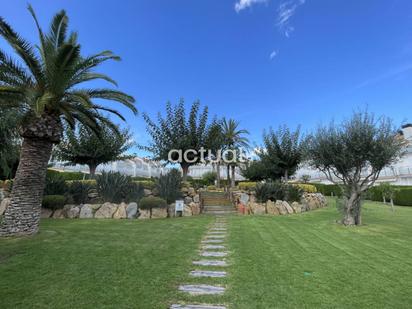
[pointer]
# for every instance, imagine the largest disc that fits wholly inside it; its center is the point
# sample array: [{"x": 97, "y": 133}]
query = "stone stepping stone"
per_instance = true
[
  {"x": 213, "y": 253},
  {"x": 208, "y": 273},
  {"x": 208, "y": 247},
  {"x": 218, "y": 229},
  {"x": 213, "y": 241},
  {"x": 216, "y": 232},
  {"x": 202, "y": 289},
  {"x": 196, "y": 307},
  {"x": 210, "y": 263},
  {"x": 215, "y": 236}
]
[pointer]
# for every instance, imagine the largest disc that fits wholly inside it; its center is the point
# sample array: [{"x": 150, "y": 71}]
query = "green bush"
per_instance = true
[
  {"x": 168, "y": 186},
  {"x": 79, "y": 191},
  {"x": 306, "y": 187},
  {"x": 328, "y": 190},
  {"x": 69, "y": 175},
  {"x": 146, "y": 184},
  {"x": 55, "y": 184},
  {"x": 277, "y": 191},
  {"x": 115, "y": 188},
  {"x": 151, "y": 202},
  {"x": 54, "y": 201},
  {"x": 209, "y": 178},
  {"x": 247, "y": 185},
  {"x": 403, "y": 196}
]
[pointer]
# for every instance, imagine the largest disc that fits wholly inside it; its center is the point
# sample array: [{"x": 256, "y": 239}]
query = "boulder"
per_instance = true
[
  {"x": 94, "y": 207},
  {"x": 120, "y": 212},
  {"x": 131, "y": 211},
  {"x": 86, "y": 212},
  {"x": 144, "y": 214},
  {"x": 271, "y": 208},
  {"x": 106, "y": 211},
  {"x": 195, "y": 208},
  {"x": 192, "y": 191},
  {"x": 147, "y": 192},
  {"x": 188, "y": 200},
  {"x": 4, "y": 204},
  {"x": 196, "y": 198},
  {"x": 244, "y": 198},
  {"x": 71, "y": 211},
  {"x": 281, "y": 207},
  {"x": 187, "y": 211},
  {"x": 297, "y": 208},
  {"x": 46, "y": 213},
  {"x": 258, "y": 208},
  {"x": 58, "y": 214},
  {"x": 287, "y": 207},
  {"x": 159, "y": 213}
]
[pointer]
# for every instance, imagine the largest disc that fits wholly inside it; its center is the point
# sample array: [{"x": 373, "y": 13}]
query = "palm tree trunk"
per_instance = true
[
  {"x": 228, "y": 175},
  {"x": 23, "y": 215},
  {"x": 233, "y": 179}
]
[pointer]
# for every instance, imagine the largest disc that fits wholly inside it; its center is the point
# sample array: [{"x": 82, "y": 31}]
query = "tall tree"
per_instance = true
[
  {"x": 233, "y": 139},
  {"x": 84, "y": 146},
  {"x": 282, "y": 149},
  {"x": 352, "y": 155},
  {"x": 174, "y": 135},
  {"x": 45, "y": 84}
]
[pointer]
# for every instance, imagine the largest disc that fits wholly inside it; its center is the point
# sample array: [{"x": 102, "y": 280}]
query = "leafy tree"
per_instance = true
[
  {"x": 233, "y": 139},
  {"x": 84, "y": 146},
  {"x": 352, "y": 155},
  {"x": 209, "y": 178},
  {"x": 305, "y": 178},
  {"x": 282, "y": 150},
  {"x": 255, "y": 171},
  {"x": 176, "y": 133},
  {"x": 46, "y": 85},
  {"x": 388, "y": 192},
  {"x": 9, "y": 142}
]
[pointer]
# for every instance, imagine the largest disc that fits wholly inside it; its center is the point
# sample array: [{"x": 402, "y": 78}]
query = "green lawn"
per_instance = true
[{"x": 299, "y": 261}]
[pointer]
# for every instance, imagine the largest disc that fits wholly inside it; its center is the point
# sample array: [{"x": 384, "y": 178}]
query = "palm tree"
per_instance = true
[
  {"x": 45, "y": 85},
  {"x": 234, "y": 139}
]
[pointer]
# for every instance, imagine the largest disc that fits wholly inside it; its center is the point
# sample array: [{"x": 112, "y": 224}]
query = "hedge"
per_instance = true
[
  {"x": 328, "y": 190},
  {"x": 54, "y": 201},
  {"x": 152, "y": 202},
  {"x": 69, "y": 175}
]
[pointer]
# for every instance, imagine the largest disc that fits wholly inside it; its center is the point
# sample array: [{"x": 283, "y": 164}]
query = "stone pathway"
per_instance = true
[{"x": 212, "y": 246}]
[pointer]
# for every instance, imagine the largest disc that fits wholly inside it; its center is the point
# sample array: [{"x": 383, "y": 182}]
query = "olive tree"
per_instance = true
[{"x": 352, "y": 155}]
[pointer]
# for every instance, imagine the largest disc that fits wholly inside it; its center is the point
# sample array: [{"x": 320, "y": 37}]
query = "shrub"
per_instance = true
[
  {"x": 211, "y": 188},
  {"x": 249, "y": 186},
  {"x": 55, "y": 184},
  {"x": 403, "y": 196},
  {"x": 54, "y": 201},
  {"x": 168, "y": 186},
  {"x": 277, "y": 191},
  {"x": 150, "y": 202},
  {"x": 306, "y": 187},
  {"x": 209, "y": 178},
  {"x": 115, "y": 188},
  {"x": 79, "y": 191},
  {"x": 328, "y": 190},
  {"x": 146, "y": 184},
  {"x": 69, "y": 175}
]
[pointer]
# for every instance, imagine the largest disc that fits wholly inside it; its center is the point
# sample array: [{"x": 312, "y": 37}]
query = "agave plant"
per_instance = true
[{"x": 45, "y": 84}]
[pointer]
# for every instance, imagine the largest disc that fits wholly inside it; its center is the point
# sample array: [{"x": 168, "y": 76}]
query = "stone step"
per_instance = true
[
  {"x": 216, "y": 232},
  {"x": 213, "y": 247},
  {"x": 213, "y": 254},
  {"x": 223, "y": 229},
  {"x": 213, "y": 241},
  {"x": 202, "y": 289},
  {"x": 201, "y": 306},
  {"x": 208, "y": 273},
  {"x": 218, "y": 263},
  {"x": 215, "y": 236}
]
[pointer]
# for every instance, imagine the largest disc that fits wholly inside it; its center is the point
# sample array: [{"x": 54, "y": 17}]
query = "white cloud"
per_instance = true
[
  {"x": 286, "y": 11},
  {"x": 243, "y": 4},
  {"x": 273, "y": 54}
]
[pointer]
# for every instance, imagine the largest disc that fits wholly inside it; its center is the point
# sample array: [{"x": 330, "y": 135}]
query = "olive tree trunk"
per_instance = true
[
  {"x": 218, "y": 174},
  {"x": 352, "y": 209}
]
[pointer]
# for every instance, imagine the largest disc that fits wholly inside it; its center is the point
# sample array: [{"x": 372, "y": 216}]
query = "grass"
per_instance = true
[{"x": 299, "y": 261}]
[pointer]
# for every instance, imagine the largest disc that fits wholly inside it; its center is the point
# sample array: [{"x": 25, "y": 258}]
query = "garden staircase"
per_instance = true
[{"x": 216, "y": 203}]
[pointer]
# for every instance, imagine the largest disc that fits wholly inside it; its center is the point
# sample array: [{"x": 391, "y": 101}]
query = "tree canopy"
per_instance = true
[
  {"x": 84, "y": 146},
  {"x": 352, "y": 155}
]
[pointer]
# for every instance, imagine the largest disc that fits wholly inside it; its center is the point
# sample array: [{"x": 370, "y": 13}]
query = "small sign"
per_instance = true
[{"x": 179, "y": 206}]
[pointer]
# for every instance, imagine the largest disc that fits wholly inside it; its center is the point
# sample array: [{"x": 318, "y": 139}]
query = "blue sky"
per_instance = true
[{"x": 265, "y": 63}]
